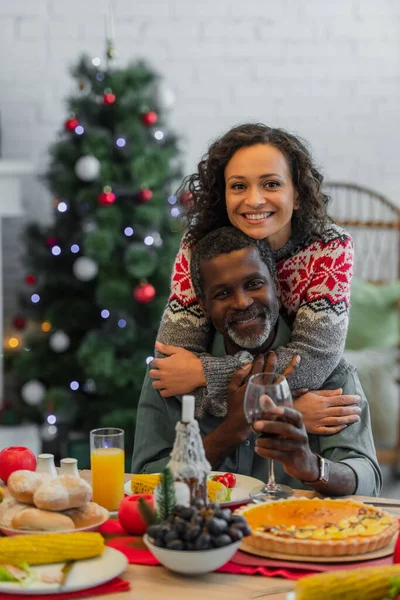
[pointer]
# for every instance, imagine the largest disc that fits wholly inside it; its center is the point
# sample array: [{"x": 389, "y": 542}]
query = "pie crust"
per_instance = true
[{"x": 318, "y": 527}]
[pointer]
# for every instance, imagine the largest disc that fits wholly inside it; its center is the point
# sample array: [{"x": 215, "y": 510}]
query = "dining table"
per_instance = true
[{"x": 156, "y": 582}]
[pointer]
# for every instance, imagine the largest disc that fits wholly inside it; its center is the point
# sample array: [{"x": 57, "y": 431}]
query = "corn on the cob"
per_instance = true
[
  {"x": 1, "y": 495},
  {"x": 46, "y": 548},
  {"x": 369, "y": 583},
  {"x": 144, "y": 484}
]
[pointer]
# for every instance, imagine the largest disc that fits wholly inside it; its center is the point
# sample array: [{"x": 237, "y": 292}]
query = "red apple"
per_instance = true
[
  {"x": 16, "y": 458},
  {"x": 129, "y": 515}
]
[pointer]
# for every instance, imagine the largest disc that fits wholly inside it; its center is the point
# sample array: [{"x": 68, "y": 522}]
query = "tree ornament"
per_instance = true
[
  {"x": 87, "y": 168},
  {"x": 51, "y": 241},
  {"x": 107, "y": 196},
  {"x": 85, "y": 268},
  {"x": 59, "y": 341},
  {"x": 165, "y": 97},
  {"x": 109, "y": 98},
  {"x": 19, "y": 323},
  {"x": 32, "y": 392},
  {"x": 145, "y": 195},
  {"x": 149, "y": 118},
  {"x": 144, "y": 293},
  {"x": 30, "y": 279},
  {"x": 186, "y": 197},
  {"x": 71, "y": 124}
]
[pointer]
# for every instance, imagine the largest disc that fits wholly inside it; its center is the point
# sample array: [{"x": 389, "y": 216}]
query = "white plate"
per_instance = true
[
  {"x": 240, "y": 493},
  {"x": 10, "y": 532},
  {"x": 84, "y": 574}
]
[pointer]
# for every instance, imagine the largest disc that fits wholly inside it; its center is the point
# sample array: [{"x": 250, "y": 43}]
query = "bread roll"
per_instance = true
[
  {"x": 34, "y": 519},
  {"x": 23, "y": 484},
  {"x": 62, "y": 493},
  {"x": 90, "y": 515},
  {"x": 8, "y": 509}
]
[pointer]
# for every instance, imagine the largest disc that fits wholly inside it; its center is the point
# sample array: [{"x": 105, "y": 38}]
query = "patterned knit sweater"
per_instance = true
[{"x": 313, "y": 281}]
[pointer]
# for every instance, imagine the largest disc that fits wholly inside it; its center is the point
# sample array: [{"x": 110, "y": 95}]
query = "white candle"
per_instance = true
[{"x": 187, "y": 409}]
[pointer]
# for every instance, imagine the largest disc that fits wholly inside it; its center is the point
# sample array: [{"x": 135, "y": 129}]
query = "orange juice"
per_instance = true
[{"x": 108, "y": 468}]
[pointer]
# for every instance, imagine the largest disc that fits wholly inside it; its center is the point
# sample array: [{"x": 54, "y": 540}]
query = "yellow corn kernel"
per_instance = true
[
  {"x": 45, "y": 548},
  {"x": 369, "y": 583},
  {"x": 144, "y": 484},
  {"x": 1, "y": 494}
]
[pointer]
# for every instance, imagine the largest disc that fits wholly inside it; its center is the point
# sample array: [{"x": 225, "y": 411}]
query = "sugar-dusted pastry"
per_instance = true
[
  {"x": 62, "y": 493},
  {"x": 90, "y": 515},
  {"x": 318, "y": 527},
  {"x": 23, "y": 484}
]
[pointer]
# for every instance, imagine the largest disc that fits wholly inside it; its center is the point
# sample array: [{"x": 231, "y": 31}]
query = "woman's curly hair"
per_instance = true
[{"x": 207, "y": 209}]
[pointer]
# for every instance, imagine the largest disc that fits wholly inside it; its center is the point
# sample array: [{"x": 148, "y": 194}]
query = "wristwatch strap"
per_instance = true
[{"x": 323, "y": 471}]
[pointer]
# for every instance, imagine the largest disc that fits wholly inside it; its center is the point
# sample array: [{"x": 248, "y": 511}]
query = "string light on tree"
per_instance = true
[
  {"x": 56, "y": 250},
  {"x": 144, "y": 293},
  {"x": 145, "y": 195},
  {"x": 13, "y": 342},
  {"x": 107, "y": 196},
  {"x": 149, "y": 118},
  {"x": 62, "y": 207},
  {"x": 45, "y": 326},
  {"x": 48, "y": 432},
  {"x": 59, "y": 341},
  {"x": 85, "y": 269},
  {"x": 87, "y": 168},
  {"x": 32, "y": 392},
  {"x": 79, "y": 130},
  {"x": 128, "y": 231},
  {"x": 159, "y": 135},
  {"x": 75, "y": 249},
  {"x": 35, "y": 298}
]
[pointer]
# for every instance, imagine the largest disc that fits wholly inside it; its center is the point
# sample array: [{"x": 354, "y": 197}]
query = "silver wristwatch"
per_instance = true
[{"x": 323, "y": 471}]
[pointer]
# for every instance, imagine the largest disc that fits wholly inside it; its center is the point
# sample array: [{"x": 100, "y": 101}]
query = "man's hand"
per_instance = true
[
  {"x": 236, "y": 391},
  {"x": 328, "y": 411},
  {"x": 289, "y": 443},
  {"x": 181, "y": 372}
]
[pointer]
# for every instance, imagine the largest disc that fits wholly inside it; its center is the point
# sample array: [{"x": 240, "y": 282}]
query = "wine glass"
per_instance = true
[{"x": 264, "y": 392}]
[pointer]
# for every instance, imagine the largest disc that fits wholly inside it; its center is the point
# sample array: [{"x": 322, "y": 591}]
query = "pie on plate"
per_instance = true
[{"x": 318, "y": 527}]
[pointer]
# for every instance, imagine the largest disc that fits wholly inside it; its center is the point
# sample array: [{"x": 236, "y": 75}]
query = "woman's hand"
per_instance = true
[
  {"x": 181, "y": 372},
  {"x": 326, "y": 412}
]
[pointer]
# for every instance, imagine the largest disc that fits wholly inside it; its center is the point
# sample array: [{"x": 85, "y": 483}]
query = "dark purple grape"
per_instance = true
[
  {"x": 188, "y": 512},
  {"x": 237, "y": 519},
  {"x": 222, "y": 540},
  {"x": 198, "y": 521},
  {"x": 235, "y": 534},
  {"x": 203, "y": 542},
  {"x": 216, "y": 526},
  {"x": 243, "y": 527},
  {"x": 178, "y": 508},
  {"x": 180, "y": 526},
  {"x": 192, "y": 533},
  {"x": 176, "y": 545},
  {"x": 170, "y": 536},
  {"x": 226, "y": 514},
  {"x": 154, "y": 531}
]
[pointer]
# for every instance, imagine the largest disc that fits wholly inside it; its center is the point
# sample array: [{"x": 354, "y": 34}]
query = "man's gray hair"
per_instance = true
[{"x": 223, "y": 241}]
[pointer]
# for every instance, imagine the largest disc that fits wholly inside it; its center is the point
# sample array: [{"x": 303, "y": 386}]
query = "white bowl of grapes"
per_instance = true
[{"x": 197, "y": 539}]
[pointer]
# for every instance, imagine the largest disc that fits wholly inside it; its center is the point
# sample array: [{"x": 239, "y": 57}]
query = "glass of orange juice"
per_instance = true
[{"x": 107, "y": 459}]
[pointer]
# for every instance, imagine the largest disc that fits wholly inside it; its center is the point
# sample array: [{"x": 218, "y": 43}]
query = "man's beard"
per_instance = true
[{"x": 254, "y": 341}]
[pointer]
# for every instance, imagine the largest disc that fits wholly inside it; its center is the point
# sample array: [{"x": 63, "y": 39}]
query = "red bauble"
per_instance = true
[
  {"x": 186, "y": 197},
  {"x": 129, "y": 515},
  {"x": 19, "y": 323},
  {"x": 144, "y": 293},
  {"x": 150, "y": 118},
  {"x": 106, "y": 198},
  {"x": 145, "y": 195},
  {"x": 51, "y": 241},
  {"x": 30, "y": 279},
  {"x": 71, "y": 124},
  {"x": 16, "y": 458},
  {"x": 109, "y": 98}
]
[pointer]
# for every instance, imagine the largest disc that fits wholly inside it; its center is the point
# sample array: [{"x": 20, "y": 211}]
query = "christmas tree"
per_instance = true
[{"x": 97, "y": 279}]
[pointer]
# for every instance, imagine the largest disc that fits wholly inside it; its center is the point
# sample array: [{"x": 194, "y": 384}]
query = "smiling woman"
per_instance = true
[{"x": 263, "y": 181}]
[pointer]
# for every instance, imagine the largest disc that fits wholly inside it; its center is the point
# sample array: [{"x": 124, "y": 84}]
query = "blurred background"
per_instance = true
[{"x": 329, "y": 72}]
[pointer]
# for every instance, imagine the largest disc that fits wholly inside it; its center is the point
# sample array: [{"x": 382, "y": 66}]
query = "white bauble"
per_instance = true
[
  {"x": 59, "y": 341},
  {"x": 87, "y": 168},
  {"x": 85, "y": 268},
  {"x": 165, "y": 97},
  {"x": 33, "y": 392}
]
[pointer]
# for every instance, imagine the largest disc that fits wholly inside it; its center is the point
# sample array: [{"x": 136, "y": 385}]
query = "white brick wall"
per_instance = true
[{"x": 329, "y": 71}]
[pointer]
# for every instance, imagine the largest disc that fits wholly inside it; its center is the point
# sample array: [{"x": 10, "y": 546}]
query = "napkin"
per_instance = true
[{"x": 111, "y": 587}]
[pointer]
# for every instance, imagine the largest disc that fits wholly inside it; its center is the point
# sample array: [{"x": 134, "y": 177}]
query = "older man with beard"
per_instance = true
[{"x": 232, "y": 278}]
